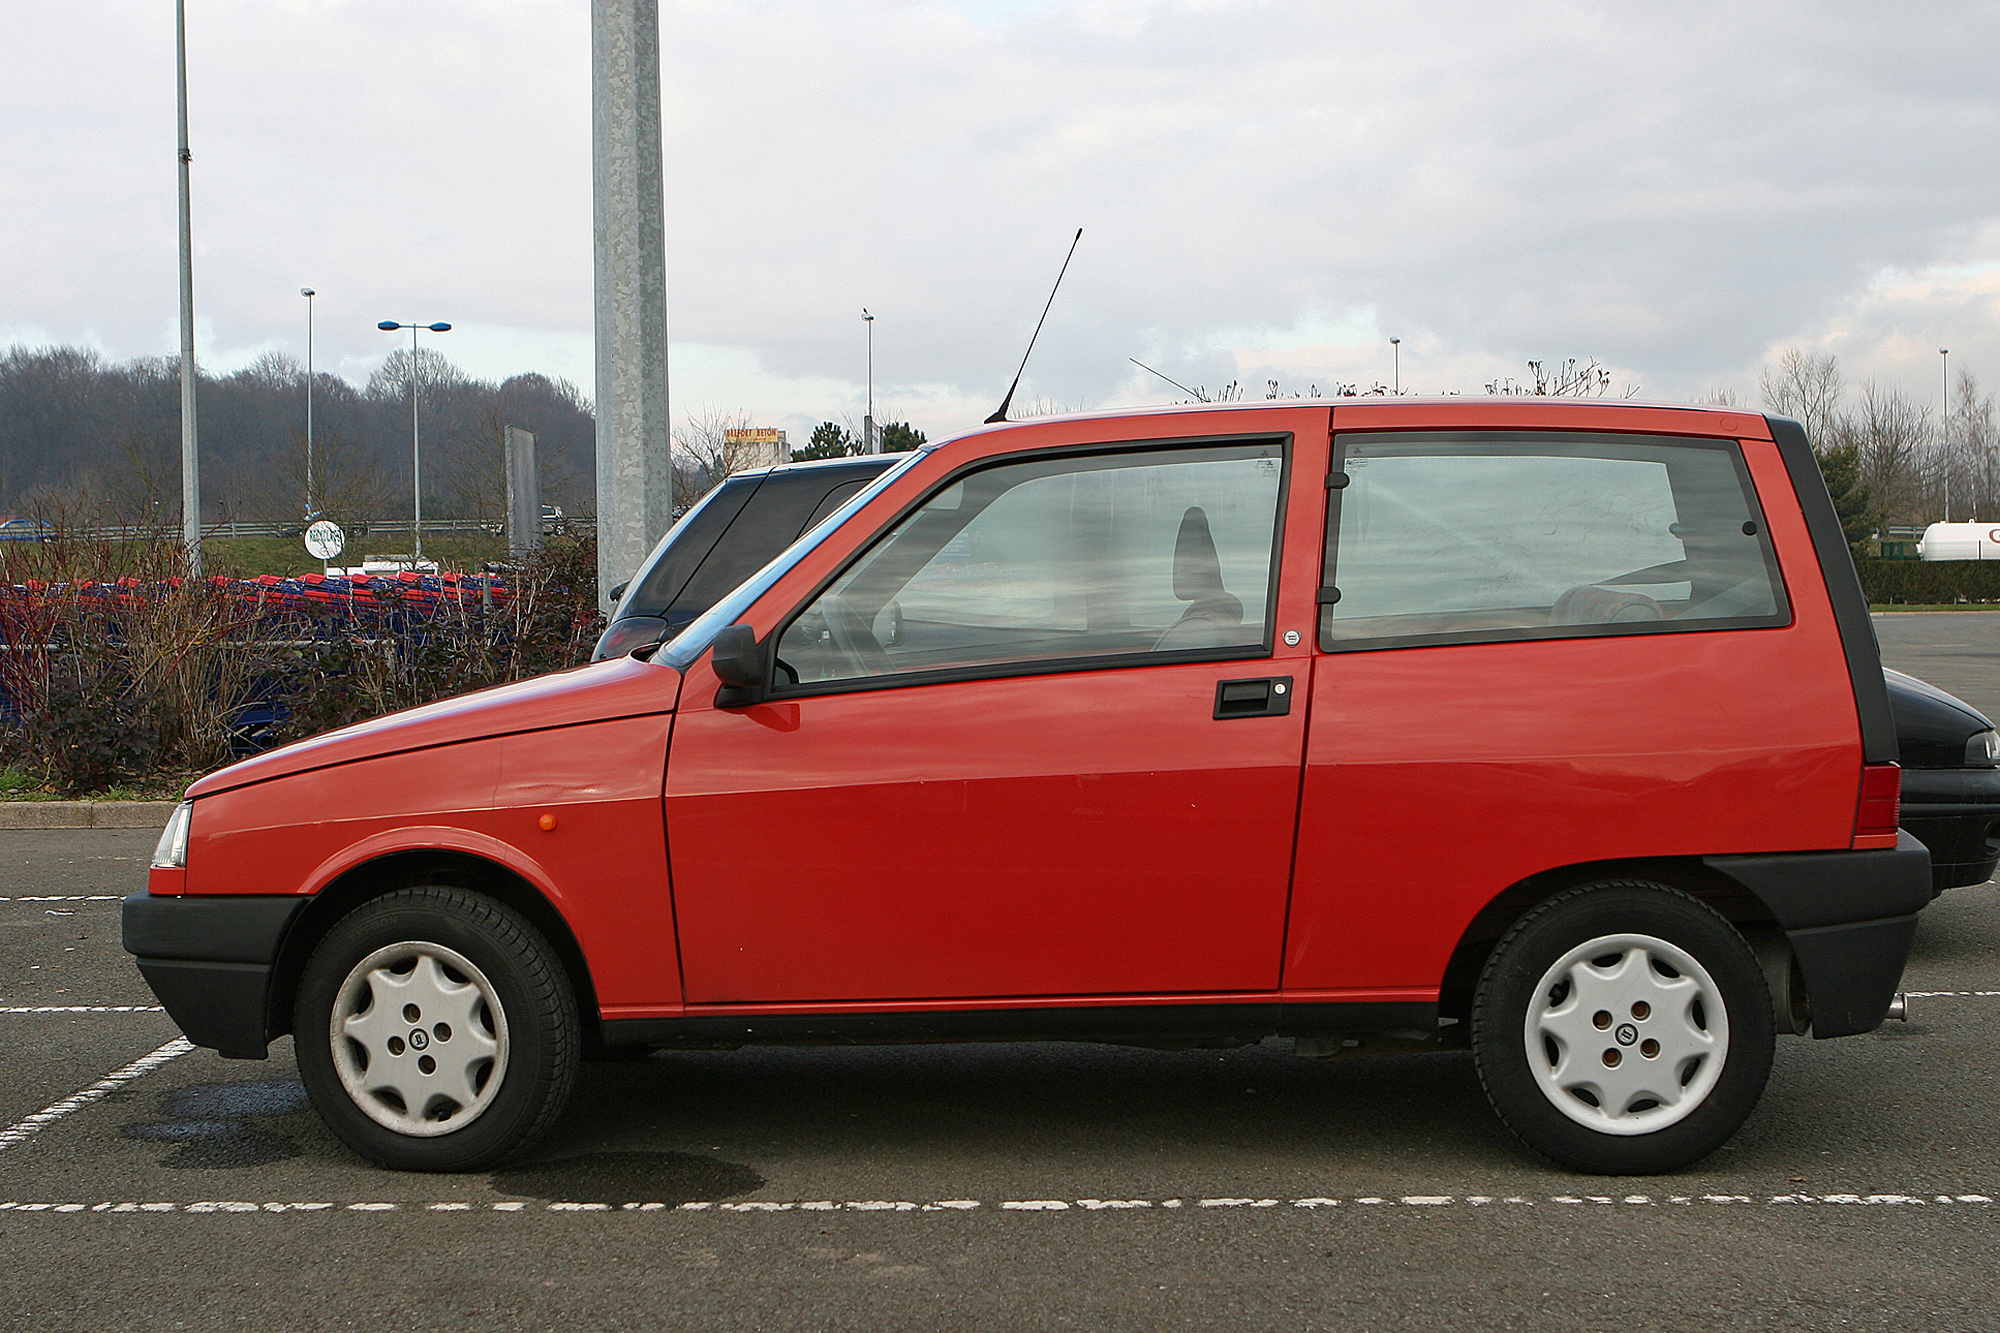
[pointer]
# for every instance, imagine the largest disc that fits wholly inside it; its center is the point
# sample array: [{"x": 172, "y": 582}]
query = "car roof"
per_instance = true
[
  {"x": 1413, "y": 401},
  {"x": 867, "y": 464}
]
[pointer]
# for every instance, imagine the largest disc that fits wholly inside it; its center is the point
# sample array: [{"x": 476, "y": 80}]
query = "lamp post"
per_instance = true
[
  {"x": 309, "y": 293},
  {"x": 1396, "y": 353},
  {"x": 190, "y": 442},
  {"x": 1944, "y": 429},
  {"x": 868, "y": 421},
  {"x": 416, "y": 443}
]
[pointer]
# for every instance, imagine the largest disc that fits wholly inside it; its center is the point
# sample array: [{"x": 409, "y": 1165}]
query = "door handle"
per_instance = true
[{"x": 1267, "y": 696}]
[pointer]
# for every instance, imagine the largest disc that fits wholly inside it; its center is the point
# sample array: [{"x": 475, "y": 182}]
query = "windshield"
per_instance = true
[{"x": 694, "y": 640}]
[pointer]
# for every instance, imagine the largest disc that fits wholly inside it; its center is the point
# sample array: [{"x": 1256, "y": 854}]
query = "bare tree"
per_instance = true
[
  {"x": 1891, "y": 435},
  {"x": 350, "y": 485},
  {"x": 1970, "y": 445},
  {"x": 704, "y": 454},
  {"x": 1567, "y": 380},
  {"x": 1806, "y": 387},
  {"x": 473, "y": 452}
]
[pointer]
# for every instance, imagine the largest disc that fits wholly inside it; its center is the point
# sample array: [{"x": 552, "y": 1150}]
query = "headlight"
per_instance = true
[
  {"x": 1983, "y": 750},
  {"x": 172, "y": 853}
]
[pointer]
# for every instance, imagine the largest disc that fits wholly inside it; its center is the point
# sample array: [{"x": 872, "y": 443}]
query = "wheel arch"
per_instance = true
[
  {"x": 1731, "y": 900},
  {"x": 388, "y": 873}
]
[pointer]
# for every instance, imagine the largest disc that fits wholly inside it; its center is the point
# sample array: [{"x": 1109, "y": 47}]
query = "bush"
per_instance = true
[
  {"x": 1929, "y": 582},
  {"x": 115, "y": 669}
]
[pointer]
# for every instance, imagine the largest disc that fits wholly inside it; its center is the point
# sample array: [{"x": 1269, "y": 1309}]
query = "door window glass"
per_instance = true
[
  {"x": 1057, "y": 558},
  {"x": 1524, "y": 536}
]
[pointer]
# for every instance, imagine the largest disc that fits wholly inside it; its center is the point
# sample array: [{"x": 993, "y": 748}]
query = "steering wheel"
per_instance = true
[{"x": 855, "y": 638}]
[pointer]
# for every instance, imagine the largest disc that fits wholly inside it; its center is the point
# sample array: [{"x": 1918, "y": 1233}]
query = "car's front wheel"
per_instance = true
[
  {"x": 436, "y": 1031},
  {"x": 1623, "y": 1028}
]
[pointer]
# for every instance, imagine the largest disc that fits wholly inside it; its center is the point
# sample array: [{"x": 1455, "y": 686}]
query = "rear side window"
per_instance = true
[{"x": 1470, "y": 537}]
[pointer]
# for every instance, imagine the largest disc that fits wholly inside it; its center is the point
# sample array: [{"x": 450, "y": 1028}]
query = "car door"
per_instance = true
[{"x": 1036, "y": 739}]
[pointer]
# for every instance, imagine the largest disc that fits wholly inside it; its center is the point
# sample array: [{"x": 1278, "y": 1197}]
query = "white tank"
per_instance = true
[{"x": 1960, "y": 541}]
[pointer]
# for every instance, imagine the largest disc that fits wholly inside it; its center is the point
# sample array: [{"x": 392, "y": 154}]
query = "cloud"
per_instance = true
[{"x": 1269, "y": 188}]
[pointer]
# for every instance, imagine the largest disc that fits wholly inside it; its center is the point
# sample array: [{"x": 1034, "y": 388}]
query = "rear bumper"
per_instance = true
[
  {"x": 1850, "y": 917},
  {"x": 1956, "y": 813},
  {"x": 209, "y": 961}
]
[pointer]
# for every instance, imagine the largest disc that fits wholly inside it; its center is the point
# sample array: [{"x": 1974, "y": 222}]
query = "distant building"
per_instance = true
[{"x": 759, "y": 446}]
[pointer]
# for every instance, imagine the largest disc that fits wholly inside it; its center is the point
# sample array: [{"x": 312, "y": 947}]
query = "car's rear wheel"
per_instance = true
[
  {"x": 436, "y": 1030},
  {"x": 1623, "y": 1028}
]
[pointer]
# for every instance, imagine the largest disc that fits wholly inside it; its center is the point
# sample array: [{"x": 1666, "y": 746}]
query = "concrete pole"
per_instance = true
[
  {"x": 634, "y": 468},
  {"x": 524, "y": 495},
  {"x": 190, "y": 440}
]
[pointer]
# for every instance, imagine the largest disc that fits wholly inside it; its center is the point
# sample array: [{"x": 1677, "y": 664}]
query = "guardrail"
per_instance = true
[{"x": 384, "y": 528}]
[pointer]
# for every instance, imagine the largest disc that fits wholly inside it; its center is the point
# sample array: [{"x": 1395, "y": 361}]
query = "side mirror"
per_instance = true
[{"x": 739, "y": 665}]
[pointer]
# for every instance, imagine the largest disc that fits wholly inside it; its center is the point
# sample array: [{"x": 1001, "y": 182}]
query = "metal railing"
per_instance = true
[{"x": 383, "y": 527}]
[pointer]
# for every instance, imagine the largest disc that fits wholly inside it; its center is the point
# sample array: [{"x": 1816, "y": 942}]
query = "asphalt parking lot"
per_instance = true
[{"x": 1001, "y": 1187}]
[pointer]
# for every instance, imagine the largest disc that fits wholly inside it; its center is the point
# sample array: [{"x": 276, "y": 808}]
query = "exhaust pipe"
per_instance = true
[{"x": 1899, "y": 1008}]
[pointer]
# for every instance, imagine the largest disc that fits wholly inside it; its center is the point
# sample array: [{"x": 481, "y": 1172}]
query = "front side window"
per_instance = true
[
  {"x": 1502, "y": 535},
  {"x": 1058, "y": 558}
]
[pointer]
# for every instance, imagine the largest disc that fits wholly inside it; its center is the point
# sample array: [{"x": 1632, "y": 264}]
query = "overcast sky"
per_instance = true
[{"x": 1269, "y": 189}]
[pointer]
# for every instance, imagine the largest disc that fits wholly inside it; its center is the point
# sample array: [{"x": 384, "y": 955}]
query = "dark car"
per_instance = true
[
  {"x": 1950, "y": 752},
  {"x": 1951, "y": 780},
  {"x": 731, "y": 534}
]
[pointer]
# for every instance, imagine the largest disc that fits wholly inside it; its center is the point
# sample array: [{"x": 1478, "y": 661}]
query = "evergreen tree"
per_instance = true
[{"x": 829, "y": 440}]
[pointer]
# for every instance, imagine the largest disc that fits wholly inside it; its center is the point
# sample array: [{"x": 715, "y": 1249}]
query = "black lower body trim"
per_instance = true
[
  {"x": 216, "y": 1004},
  {"x": 1851, "y": 971},
  {"x": 209, "y": 960},
  {"x": 1144, "y": 1024},
  {"x": 1805, "y": 889}
]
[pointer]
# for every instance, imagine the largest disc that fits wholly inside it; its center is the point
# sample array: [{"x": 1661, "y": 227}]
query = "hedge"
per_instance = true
[{"x": 1930, "y": 582}]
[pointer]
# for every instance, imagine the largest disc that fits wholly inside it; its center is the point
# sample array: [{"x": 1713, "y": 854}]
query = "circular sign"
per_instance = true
[{"x": 325, "y": 540}]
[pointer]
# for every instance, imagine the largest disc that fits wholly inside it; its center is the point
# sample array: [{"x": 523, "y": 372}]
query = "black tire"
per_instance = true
[
  {"x": 512, "y": 969},
  {"x": 1531, "y": 1098}
]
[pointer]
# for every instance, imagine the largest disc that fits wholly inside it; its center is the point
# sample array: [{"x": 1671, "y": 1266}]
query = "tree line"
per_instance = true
[
  {"x": 1888, "y": 458},
  {"x": 99, "y": 440}
]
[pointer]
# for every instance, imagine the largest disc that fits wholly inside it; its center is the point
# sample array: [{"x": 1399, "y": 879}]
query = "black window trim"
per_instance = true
[
  {"x": 1329, "y": 565},
  {"x": 778, "y": 690}
]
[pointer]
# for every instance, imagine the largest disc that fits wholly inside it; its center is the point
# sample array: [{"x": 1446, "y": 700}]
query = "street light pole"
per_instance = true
[
  {"x": 309, "y": 293},
  {"x": 416, "y": 442},
  {"x": 868, "y": 421},
  {"x": 1396, "y": 352},
  {"x": 1944, "y": 429},
  {"x": 190, "y": 441}
]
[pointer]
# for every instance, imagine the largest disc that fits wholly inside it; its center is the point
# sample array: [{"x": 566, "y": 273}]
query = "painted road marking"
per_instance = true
[
  {"x": 62, "y": 898},
  {"x": 22, "y": 1130},
  {"x": 911, "y": 1206},
  {"x": 82, "y": 1009},
  {"x": 1948, "y": 994}
]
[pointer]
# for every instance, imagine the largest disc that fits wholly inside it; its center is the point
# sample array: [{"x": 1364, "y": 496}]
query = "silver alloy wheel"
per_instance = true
[
  {"x": 419, "y": 1039},
  {"x": 1627, "y": 1034}
]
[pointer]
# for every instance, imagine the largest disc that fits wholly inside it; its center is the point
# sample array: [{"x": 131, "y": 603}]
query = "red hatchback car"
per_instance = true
[{"x": 1552, "y": 729}]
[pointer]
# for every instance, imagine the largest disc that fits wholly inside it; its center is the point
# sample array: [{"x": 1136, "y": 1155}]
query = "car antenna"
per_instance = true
[
  {"x": 1001, "y": 414},
  {"x": 1195, "y": 394}
]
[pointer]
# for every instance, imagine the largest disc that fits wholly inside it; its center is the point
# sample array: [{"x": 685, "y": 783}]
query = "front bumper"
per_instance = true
[
  {"x": 1850, "y": 917},
  {"x": 1956, "y": 813},
  {"x": 209, "y": 961}
]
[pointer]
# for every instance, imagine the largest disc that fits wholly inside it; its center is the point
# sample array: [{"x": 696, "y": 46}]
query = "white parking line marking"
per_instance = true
[
  {"x": 82, "y": 1009},
  {"x": 763, "y": 1207},
  {"x": 1948, "y": 994},
  {"x": 64, "y": 898},
  {"x": 22, "y": 1130}
]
